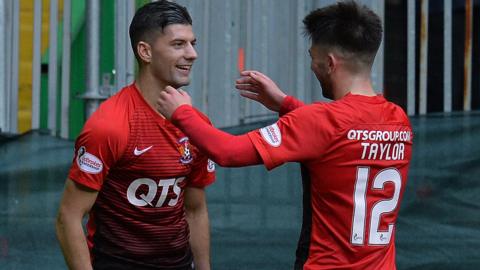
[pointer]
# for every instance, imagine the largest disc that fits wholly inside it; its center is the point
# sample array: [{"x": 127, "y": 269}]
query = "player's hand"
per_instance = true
[
  {"x": 170, "y": 99},
  {"x": 259, "y": 87}
]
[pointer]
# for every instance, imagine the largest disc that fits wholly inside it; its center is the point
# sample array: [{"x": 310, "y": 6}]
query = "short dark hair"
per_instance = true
[
  {"x": 154, "y": 17},
  {"x": 352, "y": 28}
]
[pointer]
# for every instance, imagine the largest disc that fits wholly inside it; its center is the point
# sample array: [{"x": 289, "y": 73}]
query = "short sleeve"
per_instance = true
[
  {"x": 298, "y": 136},
  {"x": 97, "y": 149},
  {"x": 203, "y": 172},
  {"x": 203, "y": 169}
]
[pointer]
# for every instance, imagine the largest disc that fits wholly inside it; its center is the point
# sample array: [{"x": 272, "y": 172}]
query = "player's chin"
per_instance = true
[{"x": 181, "y": 81}]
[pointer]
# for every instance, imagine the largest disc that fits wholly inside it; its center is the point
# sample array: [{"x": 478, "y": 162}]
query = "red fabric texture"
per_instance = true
[
  {"x": 289, "y": 104},
  {"x": 223, "y": 148}
]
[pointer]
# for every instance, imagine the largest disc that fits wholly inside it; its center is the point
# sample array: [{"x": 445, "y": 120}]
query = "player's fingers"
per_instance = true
[
  {"x": 247, "y": 87},
  {"x": 162, "y": 98},
  {"x": 164, "y": 94},
  {"x": 187, "y": 96},
  {"x": 262, "y": 75},
  {"x": 182, "y": 92},
  {"x": 249, "y": 95},
  {"x": 265, "y": 81},
  {"x": 254, "y": 72},
  {"x": 168, "y": 89},
  {"x": 245, "y": 80},
  {"x": 247, "y": 72}
]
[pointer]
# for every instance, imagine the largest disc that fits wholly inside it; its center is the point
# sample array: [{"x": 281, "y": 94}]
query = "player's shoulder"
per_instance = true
[
  {"x": 310, "y": 112},
  {"x": 396, "y": 114},
  {"x": 112, "y": 116}
]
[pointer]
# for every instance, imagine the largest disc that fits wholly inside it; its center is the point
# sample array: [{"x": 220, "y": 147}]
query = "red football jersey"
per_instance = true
[
  {"x": 140, "y": 164},
  {"x": 355, "y": 154}
]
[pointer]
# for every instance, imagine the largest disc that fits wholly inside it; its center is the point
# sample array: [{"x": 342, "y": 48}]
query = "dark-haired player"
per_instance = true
[
  {"x": 135, "y": 174},
  {"x": 354, "y": 151}
]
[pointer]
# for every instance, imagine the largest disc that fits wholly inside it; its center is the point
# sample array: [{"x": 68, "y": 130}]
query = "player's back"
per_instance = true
[{"x": 357, "y": 182}]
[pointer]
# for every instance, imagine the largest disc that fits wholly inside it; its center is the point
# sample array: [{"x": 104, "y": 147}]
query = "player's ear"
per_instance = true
[
  {"x": 144, "y": 51},
  {"x": 332, "y": 62}
]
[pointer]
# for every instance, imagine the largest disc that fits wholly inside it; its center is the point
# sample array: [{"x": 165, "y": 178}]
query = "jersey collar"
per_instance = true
[{"x": 368, "y": 99}]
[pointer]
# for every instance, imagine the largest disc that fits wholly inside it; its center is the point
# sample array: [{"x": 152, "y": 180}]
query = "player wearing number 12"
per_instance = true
[{"x": 354, "y": 152}]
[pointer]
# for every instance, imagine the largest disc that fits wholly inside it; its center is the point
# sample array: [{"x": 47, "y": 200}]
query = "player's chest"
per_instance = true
[{"x": 159, "y": 151}]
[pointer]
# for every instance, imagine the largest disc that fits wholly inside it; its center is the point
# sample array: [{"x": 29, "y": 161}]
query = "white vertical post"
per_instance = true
[
  {"x": 205, "y": 55},
  {"x": 301, "y": 59},
  {"x": 377, "y": 68},
  {"x": 447, "y": 56},
  {"x": 52, "y": 68},
  {"x": 66, "y": 42},
  {"x": 120, "y": 43},
  {"x": 13, "y": 89},
  {"x": 124, "y": 57},
  {"x": 423, "y": 57},
  {"x": 130, "y": 56},
  {"x": 92, "y": 92},
  {"x": 411, "y": 74},
  {"x": 3, "y": 62},
  {"x": 36, "y": 65}
]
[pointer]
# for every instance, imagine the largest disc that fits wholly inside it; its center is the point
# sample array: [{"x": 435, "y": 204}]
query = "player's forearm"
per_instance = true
[
  {"x": 289, "y": 104},
  {"x": 200, "y": 237},
  {"x": 225, "y": 149},
  {"x": 72, "y": 240}
]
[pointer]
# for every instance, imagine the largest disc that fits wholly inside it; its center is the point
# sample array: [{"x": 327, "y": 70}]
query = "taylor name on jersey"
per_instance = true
[{"x": 381, "y": 144}]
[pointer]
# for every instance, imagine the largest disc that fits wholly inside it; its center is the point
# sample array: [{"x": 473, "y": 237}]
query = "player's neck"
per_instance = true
[
  {"x": 357, "y": 85},
  {"x": 149, "y": 88}
]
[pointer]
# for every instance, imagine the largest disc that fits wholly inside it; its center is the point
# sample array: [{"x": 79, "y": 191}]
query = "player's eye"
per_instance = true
[{"x": 178, "y": 44}]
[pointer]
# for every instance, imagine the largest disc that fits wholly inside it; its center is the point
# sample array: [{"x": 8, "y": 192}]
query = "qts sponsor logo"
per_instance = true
[
  {"x": 184, "y": 149},
  {"x": 147, "y": 192},
  {"x": 88, "y": 162}
]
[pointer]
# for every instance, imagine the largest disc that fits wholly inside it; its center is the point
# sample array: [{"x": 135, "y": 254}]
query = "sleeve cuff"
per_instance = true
[
  {"x": 264, "y": 155},
  {"x": 181, "y": 110},
  {"x": 86, "y": 183},
  {"x": 289, "y": 104}
]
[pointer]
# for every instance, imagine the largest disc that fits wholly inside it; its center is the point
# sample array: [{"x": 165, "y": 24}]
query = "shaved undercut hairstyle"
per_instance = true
[
  {"x": 352, "y": 29},
  {"x": 152, "y": 18}
]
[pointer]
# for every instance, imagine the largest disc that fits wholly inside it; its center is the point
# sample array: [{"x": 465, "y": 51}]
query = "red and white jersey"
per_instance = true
[
  {"x": 140, "y": 164},
  {"x": 355, "y": 154}
]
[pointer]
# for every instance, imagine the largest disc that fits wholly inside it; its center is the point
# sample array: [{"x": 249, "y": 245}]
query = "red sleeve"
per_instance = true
[
  {"x": 203, "y": 172},
  {"x": 289, "y": 104},
  {"x": 203, "y": 169},
  {"x": 299, "y": 136},
  {"x": 97, "y": 149},
  {"x": 225, "y": 149}
]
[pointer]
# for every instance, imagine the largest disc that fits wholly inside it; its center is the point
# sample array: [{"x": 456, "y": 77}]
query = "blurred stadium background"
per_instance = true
[{"x": 60, "y": 58}]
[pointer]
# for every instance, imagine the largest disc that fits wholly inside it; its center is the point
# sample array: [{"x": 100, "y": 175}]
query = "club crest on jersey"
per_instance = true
[
  {"x": 87, "y": 162},
  {"x": 210, "y": 166},
  {"x": 271, "y": 134},
  {"x": 184, "y": 150}
]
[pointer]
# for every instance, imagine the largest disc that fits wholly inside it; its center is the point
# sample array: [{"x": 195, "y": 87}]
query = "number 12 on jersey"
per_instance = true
[{"x": 375, "y": 237}]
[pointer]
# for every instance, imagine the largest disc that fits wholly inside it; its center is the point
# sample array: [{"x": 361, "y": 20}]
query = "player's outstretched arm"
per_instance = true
[
  {"x": 225, "y": 149},
  {"x": 76, "y": 202},
  {"x": 259, "y": 87}
]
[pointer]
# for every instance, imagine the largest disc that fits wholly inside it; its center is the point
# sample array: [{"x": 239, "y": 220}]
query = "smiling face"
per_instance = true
[{"x": 173, "y": 54}]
